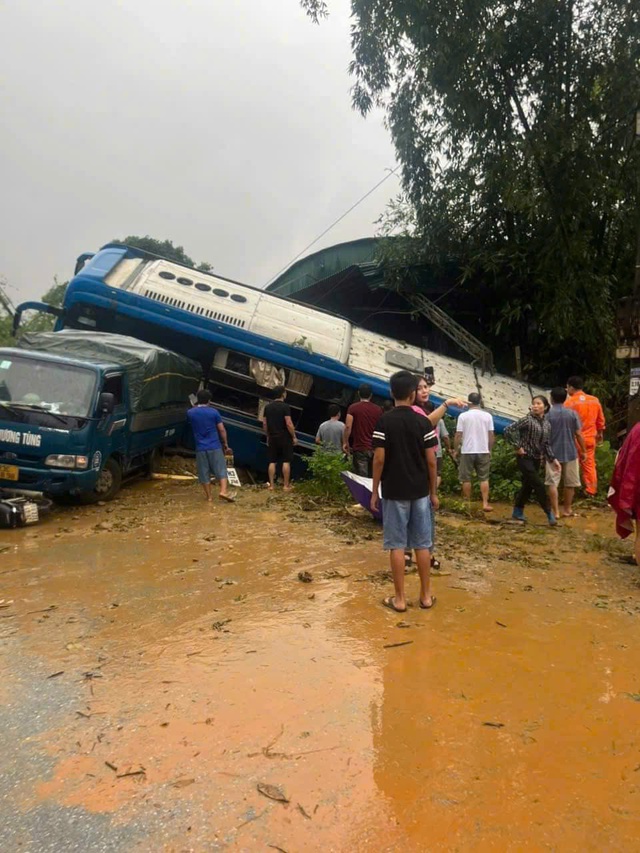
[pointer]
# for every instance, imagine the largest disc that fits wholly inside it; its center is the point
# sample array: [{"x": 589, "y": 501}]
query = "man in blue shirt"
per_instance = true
[
  {"x": 211, "y": 445},
  {"x": 566, "y": 438}
]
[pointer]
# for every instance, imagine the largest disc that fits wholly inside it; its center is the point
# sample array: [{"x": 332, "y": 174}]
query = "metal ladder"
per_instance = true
[{"x": 481, "y": 355}]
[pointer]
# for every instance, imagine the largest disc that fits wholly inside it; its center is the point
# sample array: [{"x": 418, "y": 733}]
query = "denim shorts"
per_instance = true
[
  {"x": 211, "y": 463},
  {"x": 407, "y": 524}
]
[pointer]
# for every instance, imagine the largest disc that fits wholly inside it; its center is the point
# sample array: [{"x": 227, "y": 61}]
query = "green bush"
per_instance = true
[
  {"x": 325, "y": 468},
  {"x": 605, "y": 461},
  {"x": 504, "y": 481}
]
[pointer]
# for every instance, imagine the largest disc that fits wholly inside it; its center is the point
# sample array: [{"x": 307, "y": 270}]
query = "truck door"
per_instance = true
[{"x": 115, "y": 425}]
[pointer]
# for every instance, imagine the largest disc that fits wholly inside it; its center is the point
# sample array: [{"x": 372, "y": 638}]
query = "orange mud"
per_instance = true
[{"x": 205, "y": 689}]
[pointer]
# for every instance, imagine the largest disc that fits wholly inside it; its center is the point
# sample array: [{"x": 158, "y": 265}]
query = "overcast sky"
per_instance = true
[{"x": 223, "y": 125}]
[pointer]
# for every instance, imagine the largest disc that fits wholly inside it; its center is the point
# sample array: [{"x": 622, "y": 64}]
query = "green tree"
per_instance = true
[
  {"x": 33, "y": 322},
  {"x": 55, "y": 294},
  {"x": 165, "y": 249},
  {"x": 513, "y": 123}
]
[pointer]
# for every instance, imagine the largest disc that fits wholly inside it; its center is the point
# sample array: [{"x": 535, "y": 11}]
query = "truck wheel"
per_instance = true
[
  {"x": 108, "y": 484},
  {"x": 153, "y": 464}
]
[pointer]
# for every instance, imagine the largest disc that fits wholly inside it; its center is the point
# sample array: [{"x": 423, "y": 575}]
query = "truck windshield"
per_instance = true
[{"x": 55, "y": 387}]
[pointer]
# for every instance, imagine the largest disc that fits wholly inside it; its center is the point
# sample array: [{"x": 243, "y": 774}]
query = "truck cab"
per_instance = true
[{"x": 73, "y": 427}]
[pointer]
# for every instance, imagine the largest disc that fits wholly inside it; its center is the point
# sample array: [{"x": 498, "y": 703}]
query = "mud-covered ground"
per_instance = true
[{"x": 169, "y": 684}]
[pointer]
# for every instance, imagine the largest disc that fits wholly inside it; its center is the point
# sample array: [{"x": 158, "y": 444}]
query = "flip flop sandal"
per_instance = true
[
  {"x": 435, "y": 564},
  {"x": 388, "y": 602},
  {"x": 230, "y": 499},
  {"x": 429, "y": 606},
  {"x": 408, "y": 560}
]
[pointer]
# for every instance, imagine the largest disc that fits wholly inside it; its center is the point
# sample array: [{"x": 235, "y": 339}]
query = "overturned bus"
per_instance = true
[{"x": 248, "y": 341}]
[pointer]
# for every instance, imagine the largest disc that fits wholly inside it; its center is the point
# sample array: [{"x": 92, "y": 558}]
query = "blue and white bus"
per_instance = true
[{"x": 249, "y": 340}]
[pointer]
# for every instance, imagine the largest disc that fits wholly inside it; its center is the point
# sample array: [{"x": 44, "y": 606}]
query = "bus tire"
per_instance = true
[{"x": 108, "y": 485}]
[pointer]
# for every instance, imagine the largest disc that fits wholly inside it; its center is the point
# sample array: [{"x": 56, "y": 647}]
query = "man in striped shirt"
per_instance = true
[{"x": 404, "y": 463}]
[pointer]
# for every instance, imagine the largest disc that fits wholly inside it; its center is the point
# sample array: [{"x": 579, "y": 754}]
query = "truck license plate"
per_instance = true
[{"x": 9, "y": 472}]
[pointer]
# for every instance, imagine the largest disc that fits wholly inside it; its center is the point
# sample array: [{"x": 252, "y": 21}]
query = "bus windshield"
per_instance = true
[{"x": 58, "y": 388}]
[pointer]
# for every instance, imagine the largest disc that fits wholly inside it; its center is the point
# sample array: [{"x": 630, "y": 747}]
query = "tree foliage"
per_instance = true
[
  {"x": 165, "y": 249},
  {"x": 34, "y": 322},
  {"x": 514, "y": 126},
  {"x": 55, "y": 294}
]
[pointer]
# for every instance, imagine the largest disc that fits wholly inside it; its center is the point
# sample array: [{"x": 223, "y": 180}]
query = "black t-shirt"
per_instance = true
[
  {"x": 275, "y": 413},
  {"x": 405, "y": 436}
]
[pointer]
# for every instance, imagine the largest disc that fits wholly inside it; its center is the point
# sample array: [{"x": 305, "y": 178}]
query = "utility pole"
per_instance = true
[{"x": 629, "y": 317}]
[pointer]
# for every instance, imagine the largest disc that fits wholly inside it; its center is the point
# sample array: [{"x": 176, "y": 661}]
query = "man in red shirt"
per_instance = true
[
  {"x": 360, "y": 422},
  {"x": 589, "y": 410}
]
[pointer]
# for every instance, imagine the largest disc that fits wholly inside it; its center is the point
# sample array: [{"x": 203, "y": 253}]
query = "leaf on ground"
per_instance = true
[
  {"x": 494, "y": 725},
  {"x": 634, "y": 696},
  {"x": 182, "y": 783},
  {"x": 273, "y": 792}
]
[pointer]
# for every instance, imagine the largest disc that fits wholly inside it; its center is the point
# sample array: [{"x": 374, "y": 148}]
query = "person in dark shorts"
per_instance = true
[
  {"x": 404, "y": 463},
  {"x": 359, "y": 425},
  {"x": 330, "y": 433},
  {"x": 211, "y": 445},
  {"x": 281, "y": 436}
]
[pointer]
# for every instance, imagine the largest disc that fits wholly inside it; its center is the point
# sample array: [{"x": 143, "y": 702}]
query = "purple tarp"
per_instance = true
[{"x": 361, "y": 489}]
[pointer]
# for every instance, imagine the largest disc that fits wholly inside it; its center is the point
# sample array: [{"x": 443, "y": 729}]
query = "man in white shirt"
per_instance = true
[{"x": 473, "y": 444}]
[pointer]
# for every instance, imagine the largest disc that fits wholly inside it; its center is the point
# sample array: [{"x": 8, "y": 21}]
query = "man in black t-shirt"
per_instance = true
[
  {"x": 404, "y": 462},
  {"x": 281, "y": 436}
]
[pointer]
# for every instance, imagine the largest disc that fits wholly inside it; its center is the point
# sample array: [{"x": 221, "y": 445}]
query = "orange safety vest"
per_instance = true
[{"x": 589, "y": 410}]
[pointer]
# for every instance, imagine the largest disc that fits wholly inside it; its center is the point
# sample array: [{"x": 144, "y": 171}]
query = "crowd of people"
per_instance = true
[
  {"x": 555, "y": 442},
  {"x": 401, "y": 445}
]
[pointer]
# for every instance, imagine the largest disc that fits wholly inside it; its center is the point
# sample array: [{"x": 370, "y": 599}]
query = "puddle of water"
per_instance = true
[{"x": 235, "y": 684}]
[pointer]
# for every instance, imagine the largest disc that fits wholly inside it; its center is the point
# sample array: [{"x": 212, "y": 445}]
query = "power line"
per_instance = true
[{"x": 333, "y": 224}]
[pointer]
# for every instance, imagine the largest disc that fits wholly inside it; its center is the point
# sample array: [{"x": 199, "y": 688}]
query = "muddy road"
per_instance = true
[{"x": 169, "y": 684}]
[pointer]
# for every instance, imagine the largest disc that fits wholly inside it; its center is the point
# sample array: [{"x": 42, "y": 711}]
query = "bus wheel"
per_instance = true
[{"x": 108, "y": 485}]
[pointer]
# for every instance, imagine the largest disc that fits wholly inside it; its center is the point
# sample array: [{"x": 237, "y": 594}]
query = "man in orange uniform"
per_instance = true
[{"x": 591, "y": 416}]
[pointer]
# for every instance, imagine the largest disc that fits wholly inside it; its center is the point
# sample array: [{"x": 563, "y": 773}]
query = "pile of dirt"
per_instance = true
[{"x": 174, "y": 464}]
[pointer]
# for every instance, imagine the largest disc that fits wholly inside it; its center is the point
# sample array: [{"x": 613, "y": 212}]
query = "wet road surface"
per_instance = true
[{"x": 162, "y": 666}]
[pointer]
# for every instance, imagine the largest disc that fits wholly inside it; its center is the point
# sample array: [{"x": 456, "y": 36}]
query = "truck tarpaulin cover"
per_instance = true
[{"x": 157, "y": 377}]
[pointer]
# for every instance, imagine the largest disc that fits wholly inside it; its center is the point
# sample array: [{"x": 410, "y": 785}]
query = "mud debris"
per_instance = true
[
  {"x": 305, "y": 577},
  {"x": 156, "y": 702},
  {"x": 273, "y": 792},
  {"x": 182, "y": 783}
]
